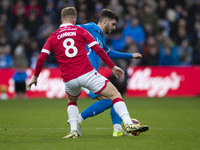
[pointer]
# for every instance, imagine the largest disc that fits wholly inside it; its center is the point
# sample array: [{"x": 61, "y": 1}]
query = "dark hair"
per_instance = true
[{"x": 106, "y": 13}]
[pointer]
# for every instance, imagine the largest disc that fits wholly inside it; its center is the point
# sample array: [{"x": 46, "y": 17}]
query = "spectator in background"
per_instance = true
[
  {"x": 61, "y": 4},
  {"x": 118, "y": 9},
  {"x": 132, "y": 47},
  {"x": 19, "y": 8},
  {"x": 19, "y": 33},
  {"x": 2, "y": 26},
  {"x": 171, "y": 18},
  {"x": 118, "y": 37},
  {"x": 149, "y": 20},
  {"x": 194, "y": 12},
  {"x": 180, "y": 36},
  {"x": 33, "y": 6},
  {"x": 19, "y": 78},
  {"x": 196, "y": 53},
  {"x": 98, "y": 6},
  {"x": 32, "y": 24},
  {"x": 116, "y": 40},
  {"x": 18, "y": 12},
  {"x": 195, "y": 34},
  {"x": 82, "y": 19},
  {"x": 5, "y": 28},
  {"x": 150, "y": 52},
  {"x": 20, "y": 54},
  {"x": 130, "y": 2},
  {"x": 5, "y": 8},
  {"x": 33, "y": 59},
  {"x": 33, "y": 51},
  {"x": 185, "y": 51},
  {"x": 164, "y": 27},
  {"x": 135, "y": 31},
  {"x": 132, "y": 12},
  {"x": 182, "y": 23},
  {"x": 160, "y": 38},
  {"x": 177, "y": 19},
  {"x": 51, "y": 10},
  {"x": 82, "y": 12},
  {"x": 45, "y": 29},
  {"x": 115, "y": 7},
  {"x": 168, "y": 53},
  {"x": 6, "y": 60},
  {"x": 161, "y": 9},
  {"x": 181, "y": 11},
  {"x": 141, "y": 3}
]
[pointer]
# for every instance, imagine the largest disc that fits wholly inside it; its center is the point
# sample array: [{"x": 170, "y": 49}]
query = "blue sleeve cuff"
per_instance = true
[{"x": 118, "y": 55}]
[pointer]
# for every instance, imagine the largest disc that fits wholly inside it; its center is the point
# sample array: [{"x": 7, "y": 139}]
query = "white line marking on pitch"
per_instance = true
[{"x": 88, "y": 128}]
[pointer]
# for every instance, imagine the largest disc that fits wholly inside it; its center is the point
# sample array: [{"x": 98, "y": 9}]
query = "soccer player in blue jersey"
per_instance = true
[{"x": 107, "y": 23}]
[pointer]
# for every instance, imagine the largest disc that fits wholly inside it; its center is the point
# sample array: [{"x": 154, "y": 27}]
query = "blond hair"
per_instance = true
[{"x": 68, "y": 13}]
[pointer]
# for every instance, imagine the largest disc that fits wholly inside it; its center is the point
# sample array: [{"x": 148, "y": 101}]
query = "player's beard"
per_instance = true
[{"x": 107, "y": 31}]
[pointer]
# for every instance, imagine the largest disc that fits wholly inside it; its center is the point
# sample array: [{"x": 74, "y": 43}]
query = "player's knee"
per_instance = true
[
  {"x": 115, "y": 95},
  {"x": 72, "y": 99}
]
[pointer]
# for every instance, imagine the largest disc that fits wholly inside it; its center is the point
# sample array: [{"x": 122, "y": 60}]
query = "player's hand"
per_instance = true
[
  {"x": 118, "y": 72},
  {"x": 137, "y": 55},
  {"x": 33, "y": 81}
]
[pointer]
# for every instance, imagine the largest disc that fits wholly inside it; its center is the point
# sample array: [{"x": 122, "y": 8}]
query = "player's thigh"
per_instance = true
[
  {"x": 110, "y": 92},
  {"x": 73, "y": 88},
  {"x": 101, "y": 97},
  {"x": 93, "y": 81}
]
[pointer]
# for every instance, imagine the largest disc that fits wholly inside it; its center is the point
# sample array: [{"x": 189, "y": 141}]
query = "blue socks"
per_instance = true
[
  {"x": 99, "y": 107},
  {"x": 115, "y": 117},
  {"x": 96, "y": 108}
]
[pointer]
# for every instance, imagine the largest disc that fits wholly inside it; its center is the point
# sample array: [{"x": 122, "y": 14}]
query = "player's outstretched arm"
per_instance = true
[
  {"x": 119, "y": 55},
  {"x": 38, "y": 68}
]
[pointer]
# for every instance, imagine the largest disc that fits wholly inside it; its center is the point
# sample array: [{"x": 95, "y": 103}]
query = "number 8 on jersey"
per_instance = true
[{"x": 68, "y": 47}]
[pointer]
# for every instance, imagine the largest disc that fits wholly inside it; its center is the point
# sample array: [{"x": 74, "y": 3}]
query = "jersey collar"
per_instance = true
[
  {"x": 65, "y": 24},
  {"x": 98, "y": 29}
]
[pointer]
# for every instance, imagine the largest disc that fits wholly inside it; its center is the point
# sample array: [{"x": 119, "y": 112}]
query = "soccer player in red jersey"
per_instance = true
[{"x": 68, "y": 43}]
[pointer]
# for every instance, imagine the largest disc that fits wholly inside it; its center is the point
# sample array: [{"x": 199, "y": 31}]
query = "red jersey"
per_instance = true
[{"x": 68, "y": 43}]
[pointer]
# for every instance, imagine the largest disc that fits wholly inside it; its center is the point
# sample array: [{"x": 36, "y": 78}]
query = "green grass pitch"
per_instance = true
[{"x": 40, "y": 124}]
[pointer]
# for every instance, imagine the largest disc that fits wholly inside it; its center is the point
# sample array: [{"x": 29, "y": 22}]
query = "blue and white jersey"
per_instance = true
[{"x": 96, "y": 32}]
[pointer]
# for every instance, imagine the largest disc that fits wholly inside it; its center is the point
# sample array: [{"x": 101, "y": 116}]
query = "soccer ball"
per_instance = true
[{"x": 135, "y": 121}]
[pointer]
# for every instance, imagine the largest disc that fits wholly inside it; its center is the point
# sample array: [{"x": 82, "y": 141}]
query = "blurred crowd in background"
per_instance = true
[{"x": 165, "y": 32}]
